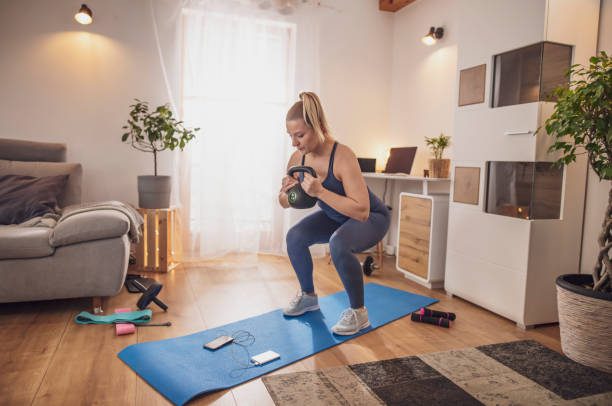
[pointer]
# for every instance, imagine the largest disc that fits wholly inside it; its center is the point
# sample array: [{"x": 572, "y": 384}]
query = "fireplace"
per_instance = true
[{"x": 526, "y": 190}]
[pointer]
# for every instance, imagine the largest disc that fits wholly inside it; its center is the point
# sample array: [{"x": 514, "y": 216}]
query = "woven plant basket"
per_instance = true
[{"x": 585, "y": 322}]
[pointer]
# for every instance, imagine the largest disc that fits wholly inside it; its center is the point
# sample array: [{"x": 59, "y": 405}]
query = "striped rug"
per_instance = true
[{"x": 514, "y": 373}]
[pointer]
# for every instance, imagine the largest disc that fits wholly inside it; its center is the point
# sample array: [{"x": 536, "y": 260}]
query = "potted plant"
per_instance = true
[
  {"x": 155, "y": 131},
  {"x": 438, "y": 167},
  {"x": 581, "y": 124}
]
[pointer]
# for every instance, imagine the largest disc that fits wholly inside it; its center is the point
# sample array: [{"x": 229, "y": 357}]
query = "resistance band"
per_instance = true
[{"x": 138, "y": 317}]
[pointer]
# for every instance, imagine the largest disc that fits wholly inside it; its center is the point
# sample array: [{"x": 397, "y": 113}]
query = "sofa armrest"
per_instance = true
[{"x": 89, "y": 226}]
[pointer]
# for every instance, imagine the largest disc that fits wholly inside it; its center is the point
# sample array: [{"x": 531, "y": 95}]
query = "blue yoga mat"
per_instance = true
[{"x": 180, "y": 369}]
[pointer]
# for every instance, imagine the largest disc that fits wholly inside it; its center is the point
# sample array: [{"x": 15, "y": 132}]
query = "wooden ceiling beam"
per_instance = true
[{"x": 392, "y": 5}]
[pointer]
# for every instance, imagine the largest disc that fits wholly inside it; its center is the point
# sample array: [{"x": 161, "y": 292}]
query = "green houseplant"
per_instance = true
[
  {"x": 582, "y": 124},
  {"x": 438, "y": 167},
  {"x": 155, "y": 131}
]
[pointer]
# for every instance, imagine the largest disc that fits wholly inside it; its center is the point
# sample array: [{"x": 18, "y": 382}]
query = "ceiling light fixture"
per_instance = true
[
  {"x": 84, "y": 16},
  {"x": 433, "y": 35}
]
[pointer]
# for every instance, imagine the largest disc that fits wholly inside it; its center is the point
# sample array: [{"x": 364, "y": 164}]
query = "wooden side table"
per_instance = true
[{"x": 155, "y": 251}]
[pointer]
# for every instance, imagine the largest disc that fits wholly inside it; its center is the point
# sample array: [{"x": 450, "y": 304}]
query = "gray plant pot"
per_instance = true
[{"x": 154, "y": 192}]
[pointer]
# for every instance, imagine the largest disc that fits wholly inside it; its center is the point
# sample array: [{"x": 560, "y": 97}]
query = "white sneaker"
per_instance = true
[
  {"x": 301, "y": 304},
  {"x": 351, "y": 322}
]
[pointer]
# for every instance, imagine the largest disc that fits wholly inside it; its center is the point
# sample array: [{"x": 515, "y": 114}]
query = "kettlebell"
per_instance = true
[{"x": 298, "y": 199}]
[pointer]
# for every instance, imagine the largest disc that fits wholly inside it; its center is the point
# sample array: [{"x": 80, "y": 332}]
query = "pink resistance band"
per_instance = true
[{"x": 124, "y": 328}]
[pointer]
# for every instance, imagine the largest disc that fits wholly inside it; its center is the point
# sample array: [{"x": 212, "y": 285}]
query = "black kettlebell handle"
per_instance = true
[{"x": 304, "y": 169}]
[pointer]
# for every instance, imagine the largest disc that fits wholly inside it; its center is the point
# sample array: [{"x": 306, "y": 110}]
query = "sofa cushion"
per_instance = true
[
  {"x": 89, "y": 226},
  {"x": 21, "y": 150},
  {"x": 24, "y": 197},
  {"x": 25, "y": 242},
  {"x": 72, "y": 192}
]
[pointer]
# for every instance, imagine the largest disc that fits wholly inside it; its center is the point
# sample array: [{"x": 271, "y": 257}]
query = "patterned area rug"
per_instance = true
[{"x": 514, "y": 373}]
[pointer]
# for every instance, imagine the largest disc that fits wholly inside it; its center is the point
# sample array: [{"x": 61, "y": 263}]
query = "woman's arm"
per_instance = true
[
  {"x": 288, "y": 182},
  {"x": 356, "y": 203}
]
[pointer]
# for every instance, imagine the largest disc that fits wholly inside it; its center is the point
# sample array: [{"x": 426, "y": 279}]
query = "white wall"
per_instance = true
[
  {"x": 597, "y": 191},
  {"x": 355, "y": 69},
  {"x": 63, "y": 82},
  {"x": 423, "y": 91}
]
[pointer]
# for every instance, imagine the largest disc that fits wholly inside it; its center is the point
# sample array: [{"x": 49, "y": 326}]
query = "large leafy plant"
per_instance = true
[
  {"x": 438, "y": 144},
  {"x": 581, "y": 124},
  {"x": 155, "y": 131}
]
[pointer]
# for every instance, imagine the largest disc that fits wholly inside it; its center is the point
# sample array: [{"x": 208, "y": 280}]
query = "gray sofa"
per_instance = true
[{"x": 84, "y": 256}]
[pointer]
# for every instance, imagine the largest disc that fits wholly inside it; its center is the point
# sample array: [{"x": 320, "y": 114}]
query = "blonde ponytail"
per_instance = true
[{"x": 309, "y": 109}]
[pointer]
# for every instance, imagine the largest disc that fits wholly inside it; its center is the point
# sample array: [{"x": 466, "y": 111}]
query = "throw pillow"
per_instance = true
[{"x": 24, "y": 197}]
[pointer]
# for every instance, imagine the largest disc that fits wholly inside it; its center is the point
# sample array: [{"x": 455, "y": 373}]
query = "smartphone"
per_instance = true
[
  {"x": 264, "y": 357},
  {"x": 218, "y": 342}
]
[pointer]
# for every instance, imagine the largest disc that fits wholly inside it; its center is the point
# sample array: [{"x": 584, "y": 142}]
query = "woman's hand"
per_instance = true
[
  {"x": 311, "y": 185},
  {"x": 288, "y": 183}
]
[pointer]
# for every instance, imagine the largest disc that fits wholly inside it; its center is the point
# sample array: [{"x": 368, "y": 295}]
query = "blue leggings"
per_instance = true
[{"x": 344, "y": 240}]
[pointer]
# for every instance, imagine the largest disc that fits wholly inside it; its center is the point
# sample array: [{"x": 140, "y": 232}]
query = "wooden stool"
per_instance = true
[
  {"x": 379, "y": 254},
  {"x": 155, "y": 251}
]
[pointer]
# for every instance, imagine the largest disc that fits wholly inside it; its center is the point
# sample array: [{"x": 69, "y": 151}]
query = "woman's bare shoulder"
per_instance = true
[
  {"x": 345, "y": 162},
  {"x": 345, "y": 154}
]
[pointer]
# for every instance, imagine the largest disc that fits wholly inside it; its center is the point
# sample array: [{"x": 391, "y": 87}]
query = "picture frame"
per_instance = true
[
  {"x": 472, "y": 85},
  {"x": 466, "y": 185}
]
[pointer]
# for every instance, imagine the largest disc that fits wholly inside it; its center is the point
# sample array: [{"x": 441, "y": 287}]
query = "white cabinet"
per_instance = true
[{"x": 504, "y": 264}]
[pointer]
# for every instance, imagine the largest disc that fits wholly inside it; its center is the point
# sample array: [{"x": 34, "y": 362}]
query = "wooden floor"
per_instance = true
[{"x": 47, "y": 359}]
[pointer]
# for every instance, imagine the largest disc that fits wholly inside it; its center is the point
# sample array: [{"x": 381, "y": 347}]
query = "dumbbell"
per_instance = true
[
  {"x": 436, "y": 321},
  {"x": 149, "y": 295},
  {"x": 423, "y": 311},
  {"x": 369, "y": 265}
]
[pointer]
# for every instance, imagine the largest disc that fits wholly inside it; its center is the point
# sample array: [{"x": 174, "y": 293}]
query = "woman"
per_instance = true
[{"x": 351, "y": 218}]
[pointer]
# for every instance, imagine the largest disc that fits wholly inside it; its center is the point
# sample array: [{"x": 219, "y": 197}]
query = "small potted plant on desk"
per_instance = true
[
  {"x": 155, "y": 131},
  {"x": 438, "y": 167},
  {"x": 582, "y": 124}
]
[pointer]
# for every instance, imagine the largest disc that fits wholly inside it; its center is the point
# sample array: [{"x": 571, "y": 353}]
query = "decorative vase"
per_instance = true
[
  {"x": 154, "y": 192},
  {"x": 439, "y": 168},
  {"x": 585, "y": 321}
]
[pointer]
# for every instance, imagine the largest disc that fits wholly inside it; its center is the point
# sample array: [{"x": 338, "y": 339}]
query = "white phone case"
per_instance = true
[
  {"x": 264, "y": 357},
  {"x": 218, "y": 342}
]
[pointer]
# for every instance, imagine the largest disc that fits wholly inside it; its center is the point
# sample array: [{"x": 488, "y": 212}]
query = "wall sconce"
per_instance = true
[
  {"x": 433, "y": 35},
  {"x": 84, "y": 16}
]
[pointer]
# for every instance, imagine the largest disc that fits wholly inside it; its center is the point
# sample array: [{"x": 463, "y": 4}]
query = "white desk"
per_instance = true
[
  {"x": 427, "y": 185},
  {"x": 420, "y": 212}
]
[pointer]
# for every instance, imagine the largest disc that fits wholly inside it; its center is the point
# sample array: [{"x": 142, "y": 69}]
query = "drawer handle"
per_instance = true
[{"x": 524, "y": 132}]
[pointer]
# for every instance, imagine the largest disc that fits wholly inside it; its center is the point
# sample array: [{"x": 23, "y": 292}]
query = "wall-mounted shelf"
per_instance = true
[{"x": 530, "y": 74}]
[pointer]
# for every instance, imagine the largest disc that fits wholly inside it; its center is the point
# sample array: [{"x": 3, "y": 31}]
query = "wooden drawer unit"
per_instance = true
[
  {"x": 415, "y": 227},
  {"x": 421, "y": 249}
]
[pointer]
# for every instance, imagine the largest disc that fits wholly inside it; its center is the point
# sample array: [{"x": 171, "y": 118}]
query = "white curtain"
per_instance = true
[{"x": 237, "y": 83}]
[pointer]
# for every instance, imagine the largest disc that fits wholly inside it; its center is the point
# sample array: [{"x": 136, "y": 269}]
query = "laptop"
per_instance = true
[
  {"x": 367, "y": 164},
  {"x": 400, "y": 160}
]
